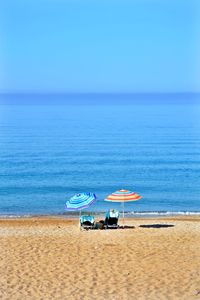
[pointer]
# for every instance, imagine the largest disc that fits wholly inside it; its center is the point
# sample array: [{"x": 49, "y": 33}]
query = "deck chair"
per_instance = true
[
  {"x": 87, "y": 222},
  {"x": 111, "y": 219}
]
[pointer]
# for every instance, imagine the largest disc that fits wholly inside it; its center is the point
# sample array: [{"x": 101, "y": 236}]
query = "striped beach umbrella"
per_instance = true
[
  {"x": 80, "y": 201},
  {"x": 123, "y": 196}
]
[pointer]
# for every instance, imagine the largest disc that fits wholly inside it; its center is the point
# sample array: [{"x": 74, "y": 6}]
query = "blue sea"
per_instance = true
[{"x": 52, "y": 146}]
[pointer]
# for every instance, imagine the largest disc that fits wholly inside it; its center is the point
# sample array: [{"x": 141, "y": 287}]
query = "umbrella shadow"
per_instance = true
[{"x": 157, "y": 226}]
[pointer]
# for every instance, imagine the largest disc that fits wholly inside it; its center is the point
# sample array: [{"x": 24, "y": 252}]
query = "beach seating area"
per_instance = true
[
  {"x": 80, "y": 201},
  {"x": 110, "y": 221}
]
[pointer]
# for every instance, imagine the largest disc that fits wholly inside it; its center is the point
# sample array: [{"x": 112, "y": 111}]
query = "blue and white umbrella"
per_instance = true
[{"x": 80, "y": 201}]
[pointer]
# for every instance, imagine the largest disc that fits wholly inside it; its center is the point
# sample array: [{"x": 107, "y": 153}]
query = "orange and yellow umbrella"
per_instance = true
[{"x": 123, "y": 196}]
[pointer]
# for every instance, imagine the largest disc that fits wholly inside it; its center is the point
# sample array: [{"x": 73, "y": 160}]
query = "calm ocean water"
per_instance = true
[{"x": 54, "y": 146}]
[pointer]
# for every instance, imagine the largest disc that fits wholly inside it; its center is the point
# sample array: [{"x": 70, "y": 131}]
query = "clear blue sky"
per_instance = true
[{"x": 100, "y": 45}]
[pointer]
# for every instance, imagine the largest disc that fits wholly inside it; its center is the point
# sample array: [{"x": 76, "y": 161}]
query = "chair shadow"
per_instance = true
[
  {"x": 157, "y": 226},
  {"x": 101, "y": 226},
  {"x": 126, "y": 227}
]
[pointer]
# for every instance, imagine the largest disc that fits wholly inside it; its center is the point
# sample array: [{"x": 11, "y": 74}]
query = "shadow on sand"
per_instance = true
[
  {"x": 125, "y": 227},
  {"x": 102, "y": 227},
  {"x": 157, "y": 226}
]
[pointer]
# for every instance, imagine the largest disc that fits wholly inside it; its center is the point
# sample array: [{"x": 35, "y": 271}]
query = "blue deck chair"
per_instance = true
[{"x": 86, "y": 222}]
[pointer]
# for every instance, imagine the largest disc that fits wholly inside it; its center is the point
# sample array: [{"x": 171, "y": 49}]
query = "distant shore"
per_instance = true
[{"x": 50, "y": 258}]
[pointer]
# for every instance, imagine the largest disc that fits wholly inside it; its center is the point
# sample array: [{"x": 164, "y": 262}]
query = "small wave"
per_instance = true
[
  {"x": 3, "y": 216},
  {"x": 162, "y": 213}
]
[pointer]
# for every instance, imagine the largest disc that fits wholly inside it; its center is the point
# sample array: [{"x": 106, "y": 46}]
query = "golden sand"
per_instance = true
[{"x": 50, "y": 258}]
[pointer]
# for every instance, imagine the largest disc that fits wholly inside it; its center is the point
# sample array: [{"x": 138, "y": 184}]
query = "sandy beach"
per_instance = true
[{"x": 50, "y": 258}]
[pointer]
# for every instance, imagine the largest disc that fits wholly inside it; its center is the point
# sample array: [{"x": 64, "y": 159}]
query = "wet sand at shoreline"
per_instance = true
[{"x": 50, "y": 258}]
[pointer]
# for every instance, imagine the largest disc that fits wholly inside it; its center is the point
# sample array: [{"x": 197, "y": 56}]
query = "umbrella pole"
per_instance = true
[
  {"x": 80, "y": 218},
  {"x": 123, "y": 214}
]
